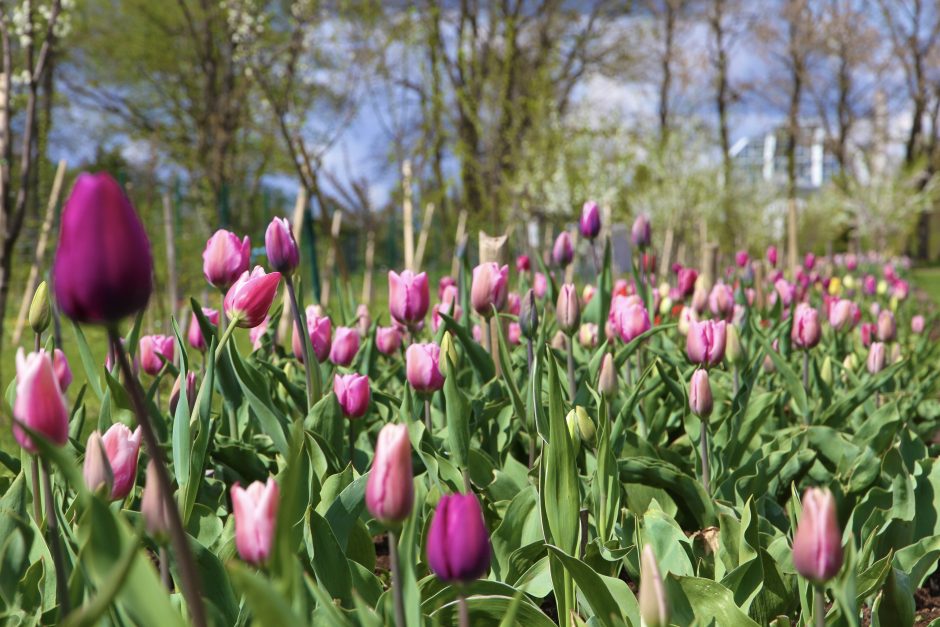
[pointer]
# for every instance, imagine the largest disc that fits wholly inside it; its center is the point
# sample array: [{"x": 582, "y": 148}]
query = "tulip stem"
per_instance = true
[
  {"x": 165, "y": 569},
  {"x": 572, "y": 383},
  {"x": 187, "y": 567},
  {"x": 397, "y": 592},
  {"x": 806, "y": 371},
  {"x": 427, "y": 415},
  {"x": 52, "y": 526},
  {"x": 224, "y": 339},
  {"x": 37, "y": 504},
  {"x": 737, "y": 380},
  {"x": 300, "y": 318},
  {"x": 703, "y": 444},
  {"x": 463, "y": 611},
  {"x": 819, "y": 608}
]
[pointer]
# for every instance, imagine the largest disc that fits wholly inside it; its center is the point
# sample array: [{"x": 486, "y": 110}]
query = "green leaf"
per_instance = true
[
  {"x": 609, "y": 598},
  {"x": 267, "y": 605},
  {"x": 481, "y": 360}
]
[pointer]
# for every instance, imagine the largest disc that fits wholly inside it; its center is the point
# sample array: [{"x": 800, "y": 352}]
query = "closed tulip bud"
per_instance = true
[
  {"x": 523, "y": 264},
  {"x": 458, "y": 516},
  {"x": 103, "y": 270},
  {"x": 540, "y": 285},
  {"x": 63, "y": 374},
  {"x": 772, "y": 256},
  {"x": 256, "y": 333},
  {"x": 225, "y": 259},
  {"x": 588, "y": 335},
  {"x": 248, "y": 300},
  {"x": 408, "y": 297},
  {"x": 568, "y": 309},
  {"x": 917, "y": 324},
  {"x": 448, "y": 349},
  {"x": 444, "y": 284},
  {"x": 280, "y": 247},
  {"x": 734, "y": 349},
  {"x": 876, "y": 358},
  {"x": 590, "y": 220},
  {"x": 825, "y": 371},
  {"x": 190, "y": 392},
  {"x": 700, "y": 394},
  {"x": 817, "y": 544},
  {"x": 629, "y": 318},
  {"x": 607, "y": 382},
  {"x": 194, "y": 336},
  {"x": 809, "y": 261},
  {"x": 867, "y": 332},
  {"x": 721, "y": 301},
  {"x": 122, "y": 447},
  {"x": 705, "y": 343},
  {"x": 559, "y": 341},
  {"x": 352, "y": 393},
  {"x": 806, "y": 332},
  {"x": 563, "y": 250},
  {"x": 654, "y": 605},
  {"x": 255, "y": 512},
  {"x": 580, "y": 426},
  {"x": 850, "y": 362},
  {"x": 489, "y": 288},
  {"x": 882, "y": 288},
  {"x": 529, "y": 316},
  {"x": 422, "y": 367},
  {"x": 842, "y": 314},
  {"x": 699, "y": 298},
  {"x": 887, "y": 327},
  {"x": 686, "y": 317},
  {"x": 641, "y": 233},
  {"x": 320, "y": 331},
  {"x": 388, "y": 339},
  {"x": 97, "y": 469},
  {"x": 345, "y": 346},
  {"x": 39, "y": 405},
  {"x": 390, "y": 487},
  {"x": 39, "y": 311},
  {"x": 153, "y": 506},
  {"x": 685, "y": 281},
  {"x": 154, "y": 351},
  {"x": 896, "y": 354}
]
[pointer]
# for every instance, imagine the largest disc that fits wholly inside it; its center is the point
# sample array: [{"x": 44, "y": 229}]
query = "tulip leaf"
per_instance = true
[
  {"x": 181, "y": 437},
  {"x": 505, "y": 361},
  {"x": 490, "y": 610},
  {"x": 609, "y": 598},
  {"x": 791, "y": 380},
  {"x": 481, "y": 360},
  {"x": 255, "y": 389},
  {"x": 329, "y": 561},
  {"x": 268, "y": 606},
  {"x": 458, "y": 414},
  {"x": 91, "y": 367}
]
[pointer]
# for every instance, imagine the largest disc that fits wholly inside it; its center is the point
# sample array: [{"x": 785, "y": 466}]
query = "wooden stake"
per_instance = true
[
  {"x": 407, "y": 217},
  {"x": 423, "y": 235},
  {"x": 370, "y": 266},
  {"x": 458, "y": 241},
  {"x": 793, "y": 250},
  {"x": 331, "y": 257},
  {"x": 171, "y": 279},
  {"x": 667, "y": 254},
  {"x": 46, "y": 228},
  {"x": 705, "y": 259}
]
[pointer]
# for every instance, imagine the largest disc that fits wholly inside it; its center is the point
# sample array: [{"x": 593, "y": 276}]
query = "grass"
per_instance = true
[{"x": 928, "y": 279}]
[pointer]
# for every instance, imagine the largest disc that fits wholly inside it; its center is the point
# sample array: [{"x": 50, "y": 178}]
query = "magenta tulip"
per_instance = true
[
  {"x": 809, "y": 261},
  {"x": 563, "y": 250},
  {"x": 390, "y": 487},
  {"x": 523, "y": 264},
  {"x": 490, "y": 288},
  {"x": 742, "y": 258},
  {"x": 408, "y": 297},
  {"x": 686, "y": 281},
  {"x": 345, "y": 346},
  {"x": 705, "y": 342},
  {"x": 320, "y": 330},
  {"x": 458, "y": 516},
  {"x": 249, "y": 299},
  {"x": 154, "y": 351},
  {"x": 122, "y": 448},
  {"x": 388, "y": 340},
  {"x": 103, "y": 270},
  {"x": 628, "y": 317},
  {"x": 225, "y": 259},
  {"x": 352, "y": 393},
  {"x": 641, "y": 233},
  {"x": 195, "y": 337},
  {"x": 700, "y": 394},
  {"x": 422, "y": 367},
  {"x": 772, "y": 256},
  {"x": 817, "y": 544},
  {"x": 280, "y": 246},
  {"x": 255, "y": 511},
  {"x": 39, "y": 405},
  {"x": 590, "y": 220},
  {"x": 60, "y": 365}
]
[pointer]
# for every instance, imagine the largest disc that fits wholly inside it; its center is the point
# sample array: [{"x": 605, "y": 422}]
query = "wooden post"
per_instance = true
[
  {"x": 458, "y": 241},
  {"x": 423, "y": 235},
  {"x": 793, "y": 250},
  {"x": 666, "y": 255},
  {"x": 171, "y": 279},
  {"x": 331, "y": 257},
  {"x": 705, "y": 259},
  {"x": 493, "y": 249},
  {"x": 38, "y": 256},
  {"x": 407, "y": 217},
  {"x": 370, "y": 266}
]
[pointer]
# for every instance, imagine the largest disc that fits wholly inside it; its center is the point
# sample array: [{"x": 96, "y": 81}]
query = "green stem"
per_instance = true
[
  {"x": 37, "y": 495},
  {"x": 224, "y": 339},
  {"x": 703, "y": 443},
  {"x": 397, "y": 592},
  {"x": 463, "y": 610},
  {"x": 52, "y": 526},
  {"x": 300, "y": 319},
  {"x": 572, "y": 383},
  {"x": 819, "y": 606},
  {"x": 427, "y": 414}
]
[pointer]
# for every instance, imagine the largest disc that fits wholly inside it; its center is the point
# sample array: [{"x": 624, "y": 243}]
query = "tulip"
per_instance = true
[
  {"x": 734, "y": 349},
  {"x": 190, "y": 393},
  {"x": 422, "y": 367},
  {"x": 876, "y": 358},
  {"x": 809, "y": 261},
  {"x": 490, "y": 288},
  {"x": 563, "y": 250},
  {"x": 742, "y": 258},
  {"x": 869, "y": 285},
  {"x": 917, "y": 324},
  {"x": 588, "y": 335},
  {"x": 345, "y": 346},
  {"x": 523, "y": 264},
  {"x": 255, "y": 511},
  {"x": 806, "y": 331},
  {"x": 352, "y": 393},
  {"x": 686, "y": 317},
  {"x": 196, "y": 340},
  {"x": 817, "y": 544},
  {"x": 513, "y": 303},
  {"x": 408, "y": 297},
  {"x": 772, "y": 256},
  {"x": 444, "y": 284},
  {"x": 39, "y": 311},
  {"x": 630, "y": 319},
  {"x": 256, "y": 333},
  {"x": 607, "y": 381},
  {"x": 540, "y": 285},
  {"x": 568, "y": 309},
  {"x": 641, "y": 233},
  {"x": 654, "y": 605},
  {"x": 896, "y": 355},
  {"x": 153, "y": 506},
  {"x": 225, "y": 259},
  {"x": 900, "y": 289},
  {"x": 97, "y": 469},
  {"x": 699, "y": 299},
  {"x": 390, "y": 487},
  {"x": 388, "y": 340},
  {"x": 887, "y": 329},
  {"x": 152, "y": 348},
  {"x": 320, "y": 330},
  {"x": 121, "y": 447},
  {"x": 721, "y": 301},
  {"x": 514, "y": 334},
  {"x": 248, "y": 300},
  {"x": 103, "y": 270},
  {"x": 590, "y": 220},
  {"x": 705, "y": 343},
  {"x": 841, "y": 314},
  {"x": 851, "y": 262},
  {"x": 686, "y": 281},
  {"x": 580, "y": 426},
  {"x": 529, "y": 316},
  {"x": 280, "y": 247},
  {"x": 39, "y": 405},
  {"x": 700, "y": 394},
  {"x": 444, "y": 308},
  {"x": 60, "y": 366},
  {"x": 458, "y": 516}
]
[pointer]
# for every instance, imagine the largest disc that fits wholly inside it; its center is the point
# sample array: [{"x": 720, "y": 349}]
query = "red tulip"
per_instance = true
[{"x": 523, "y": 264}]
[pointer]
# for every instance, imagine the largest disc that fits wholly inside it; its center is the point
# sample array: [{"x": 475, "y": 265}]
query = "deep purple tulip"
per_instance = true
[
  {"x": 590, "y": 220},
  {"x": 562, "y": 251},
  {"x": 458, "y": 516},
  {"x": 280, "y": 246}
]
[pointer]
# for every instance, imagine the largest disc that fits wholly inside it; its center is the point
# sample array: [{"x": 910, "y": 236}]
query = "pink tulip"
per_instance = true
[
  {"x": 249, "y": 299},
  {"x": 869, "y": 285},
  {"x": 641, "y": 233},
  {"x": 280, "y": 246},
  {"x": 917, "y": 324},
  {"x": 686, "y": 317},
  {"x": 345, "y": 346},
  {"x": 629, "y": 318},
  {"x": 320, "y": 330},
  {"x": 255, "y": 511},
  {"x": 513, "y": 303},
  {"x": 699, "y": 299},
  {"x": 842, "y": 314},
  {"x": 225, "y": 259},
  {"x": 700, "y": 394},
  {"x": 772, "y": 256},
  {"x": 806, "y": 331},
  {"x": 443, "y": 285},
  {"x": 352, "y": 393},
  {"x": 866, "y": 333},
  {"x": 256, "y": 333},
  {"x": 562, "y": 251},
  {"x": 39, "y": 405},
  {"x": 388, "y": 340},
  {"x": 900, "y": 289},
  {"x": 363, "y": 320},
  {"x": 742, "y": 258},
  {"x": 539, "y": 285},
  {"x": 514, "y": 334},
  {"x": 152, "y": 348},
  {"x": 408, "y": 297},
  {"x": 177, "y": 392},
  {"x": 851, "y": 262},
  {"x": 390, "y": 487},
  {"x": 96, "y": 470},
  {"x": 568, "y": 309},
  {"x": 809, "y": 261},
  {"x": 121, "y": 447},
  {"x": 490, "y": 288},
  {"x": 62, "y": 371},
  {"x": 444, "y": 308},
  {"x": 423, "y": 367},
  {"x": 686, "y": 281},
  {"x": 817, "y": 544},
  {"x": 153, "y": 506},
  {"x": 523, "y": 264},
  {"x": 876, "y": 358},
  {"x": 721, "y": 301},
  {"x": 196, "y": 340},
  {"x": 705, "y": 342},
  {"x": 887, "y": 326}
]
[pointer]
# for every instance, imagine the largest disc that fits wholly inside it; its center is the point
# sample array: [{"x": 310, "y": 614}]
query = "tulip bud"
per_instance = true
[
  {"x": 850, "y": 362},
  {"x": 917, "y": 324},
  {"x": 408, "y": 297},
  {"x": 489, "y": 288},
  {"x": 563, "y": 251},
  {"x": 825, "y": 371},
  {"x": 529, "y": 316},
  {"x": 153, "y": 506},
  {"x": 607, "y": 381},
  {"x": 458, "y": 516},
  {"x": 559, "y": 341},
  {"x": 686, "y": 317},
  {"x": 876, "y": 358},
  {"x": 190, "y": 392},
  {"x": 280, "y": 246},
  {"x": 817, "y": 544},
  {"x": 352, "y": 393},
  {"x": 887, "y": 327},
  {"x": 345, "y": 346},
  {"x": 448, "y": 349},
  {"x": 806, "y": 331},
  {"x": 896, "y": 355},
  {"x": 641, "y": 233},
  {"x": 772, "y": 256},
  {"x": 122, "y": 448},
  {"x": 422, "y": 367},
  {"x": 629, "y": 318},
  {"x": 225, "y": 259},
  {"x": 154, "y": 351},
  {"x": 97, "y": 469},
  {"x": 568, "y": 309},
  {"x": 540, "y": 285},
  {"x": 390, "y": 488},
  {"x": 388, "y": 340},
  {"x": 39, "y": 404},
  {"x": 590, "y": 220},
  {"x": 809, "y": 261},
  {"x": 194, "y": 335},
  {"x": 255, "y": 512},
  {"x": 256, "y": 333},
  {"x": 39, "y": 311},
  {"x": 742, "y": 258},
  {"x": 721, "y": 301},
  {"x": 580, "y": 426},
  {"x": 654, "y": 605},
  {"x": 60, "y": 365},
  {"x": 685, "y": 281},
  {"x": 248, "y": 300},
  {"x": 705, "y": 343},
  {"x": 700, "y": 394},
  {"x": 523, "y": 264},
  {"x": 588, "y": 335},
  {"x": 734, "y": 349},
  {"x": 103, "y": 270},
  {"x": 320, "y": 331}
]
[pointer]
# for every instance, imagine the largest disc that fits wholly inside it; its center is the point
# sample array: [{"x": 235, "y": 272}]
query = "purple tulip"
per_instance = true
[
  {"x": 154, "y": 350},
  {"x": 280, "y": 246},
  {"x": 458, "y": 516},
  {"x": 345, "y": 346},
  {"x": 408, "y": 297},
  {"x": 590, "y": 220},
  {"x": 641, "y": 234},
  {"x": 562, "y": 251},
  {"x": 629, "y": 317},
  {"x": 388, "y": 339}
]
